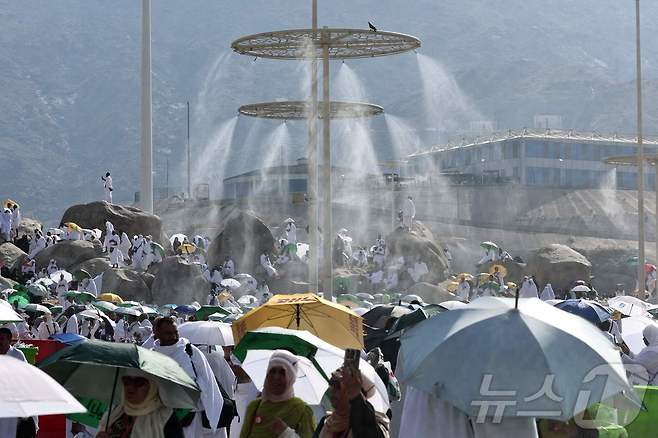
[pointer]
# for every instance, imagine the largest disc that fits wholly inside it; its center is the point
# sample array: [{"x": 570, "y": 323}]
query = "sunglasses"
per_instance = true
[{"x": 137, "y": 382}]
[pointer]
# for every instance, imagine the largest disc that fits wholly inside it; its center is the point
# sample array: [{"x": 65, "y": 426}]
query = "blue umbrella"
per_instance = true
[
  {"x": 186, "y": 309},
  {"x": 68, "y": 338},
  {"x": 515, "y": 350},
  {"x": 590, "y": 310}
]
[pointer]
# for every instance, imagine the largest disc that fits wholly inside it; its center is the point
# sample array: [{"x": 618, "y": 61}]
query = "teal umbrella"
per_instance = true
[
  {"x": 81, "y": 274},
  {"x": 35, "y": 308},
  {"x": 105, "y": 306},
  {"x": 18, "y": 298},
  {"x": 205, "y": 311},
  {"x": 38, "y": 290},
  {"x": 548, "y": 347},
  {"x": 128, "y": 311},
  {"x": 129, "y": 304},
  {"x": 91, "y": 369}
]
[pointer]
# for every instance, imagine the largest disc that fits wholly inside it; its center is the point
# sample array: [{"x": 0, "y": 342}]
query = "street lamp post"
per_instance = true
[
  {"x": 640, "y": 155},
  {"x": 146, "y": 185}
]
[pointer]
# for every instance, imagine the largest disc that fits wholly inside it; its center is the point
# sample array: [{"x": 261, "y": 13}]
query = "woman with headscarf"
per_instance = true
[
  {"x": 277, "y": 413},
  {"x": 647, "y": 358},
  {"x": 141, "y": 413},
  {"x": 547, "y": 293},
  {"x": 353, "y": 415}
]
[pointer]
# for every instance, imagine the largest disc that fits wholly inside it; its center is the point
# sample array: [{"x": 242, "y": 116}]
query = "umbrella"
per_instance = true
[
  {"x": 502, "y": 269},
  {"x": 19, "y": 299},
  {"x": 648, "y": 267},
  {"x": 149, "y": 310},
  {"x": 56, "y": 310},
  {"x": 10, "y": 203},
  {"x": 325, "y": 357},
  {"x": 246, "y": 300},
  {"x": 590, "y": 310},
  {"x": 452, "y": 286},
  {"x": 105, "y": 306},
  {"x": 488, "y": 245},
  {"x": 81, "y": 274},
  {"x": 206, "y": 311},
  {"x": 129, "y": 304},
  {"x": 72, "y": 226},
  {"x": 128, "y": 311},
  {"x": 581, "y": 288},
  {"x": 490, "y": 285},
  {"x": 630, "y": 306},
  {"x": 247, "y": 281},
  {"x": 230, "y": 283},
  {"x": 38, "y": 290},
  {"x": 207, "y": 333},
  {"x": 67, "y": 276},
  {"x": 7, "y": 313},
  {"x": 412, "y": 297},
  {"x": 632, "y": 328},
  {"x": 158, "y": 248},
  {"x": 45, "y": 282},
  {"x": 44, "y": 397},
  {"x": 91, "y": 313},
  {"x": 452, "y": 305},
  {"x": 327, "y": 320},
  {"x": 186, "y": 309},
  {"x": 36, "y": 308},
  {"x": 91, "y": 369},
  {"x": 378, "y": 316},
  {"x": 289, "y": 220},
  {"x": 466, "y": 275},
  {"x": 72, "y": 294},
  {"x": 187, "y": 248},
  {"x": 365, "y": 296},
  {"x": 536, "y": 355},
  {"x": 110, "y": 298},
  {"x": 84, "y": 297},
  {"x": 181, "y": 237},
  {"x": 170, "y": 306}
]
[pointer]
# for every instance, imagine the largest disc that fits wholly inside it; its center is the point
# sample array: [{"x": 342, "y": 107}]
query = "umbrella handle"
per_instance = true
[
  {"x": 516, "y": 300},
  {"x": 319, "y": 368},
  {"x": 109, "y": 407}
]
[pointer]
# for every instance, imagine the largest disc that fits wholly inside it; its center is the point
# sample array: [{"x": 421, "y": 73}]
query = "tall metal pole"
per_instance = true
[
  {"x": 146, "y": 186},
  {"x": 189, "y": 155},
  {"x": 327, "y": 225},
  {"x": 167, "y": 179},
  {"x": 640, "y": 155},
  {"x": 312, "y": 154}
]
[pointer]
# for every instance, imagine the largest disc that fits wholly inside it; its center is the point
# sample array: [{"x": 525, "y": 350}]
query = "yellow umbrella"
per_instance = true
[
  {"x": 329, "y": 321},
  {"x": 502, "y": 269},
  {"x": 452, "y": 286},
  {"x": 510, "y": 285},
  {"x": 466, "y": 276},
  {"x": 9, "y": 203},
  {"x": 187, "y": 248},
  {"x": 72, "y": 226},
  {"x": 110, "y": 298}
]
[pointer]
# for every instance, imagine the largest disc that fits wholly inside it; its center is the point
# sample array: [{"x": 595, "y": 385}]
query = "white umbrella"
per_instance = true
[
  {"x": 302, "y": 249},
  {"x": 67, "y": 276},
  {"x": 7, "y": 313},
  {"x": 207, "y": 333},
  {"x": 90, "y": 313},
  {"x": 230, "y": 283},
  {"x": 25, "y": 391},
  {"x": 247, "y": 281},
  {"x": 548, "y": 347},
  {"x": 130, "y": 311},
  {"x": 181, "y": 238},
  {"x": 310, "y": 386},
  {"x": 581, "y": 288},
  {"x": 247, "y": 299},
  {"x": 452, "y": 305},
  {"x": 46, "y": 282},
  {"x": 631, "y": 306},
  {"x": 36, "y": 308},
  {"x": 631, "y": 331}
]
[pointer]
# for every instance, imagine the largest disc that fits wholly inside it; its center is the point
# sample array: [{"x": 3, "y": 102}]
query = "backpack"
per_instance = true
[{"x": 229, "y": 409}]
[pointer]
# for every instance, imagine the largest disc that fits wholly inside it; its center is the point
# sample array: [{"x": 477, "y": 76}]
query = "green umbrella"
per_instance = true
[
  {"x": 157, "y": 247},
  {"x": 489, "y": 245},
  {"x": 84, "y": 297},
  {"x": 129, "y": 304},
  {"x": 205, "y": 311},
  {"x": 56, "y": 310},
  {"x": 149, "y": 310},
  {"x": 81, "y": 274},
  {"x": 490, "y": 285},
  {"x": 91, "y": 369},
  {"x": 105, "y": 306},
  {"x": 18, "y": 298},
  {"x": 19, "y": 288},
  {"x": 72, "y": 294},
  {"x": 129, "y": 311}
]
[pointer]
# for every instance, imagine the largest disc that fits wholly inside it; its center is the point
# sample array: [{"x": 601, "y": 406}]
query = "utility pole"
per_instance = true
[
  {"x": 189, "y": 155},
  {"x": 146, "y": 186}
]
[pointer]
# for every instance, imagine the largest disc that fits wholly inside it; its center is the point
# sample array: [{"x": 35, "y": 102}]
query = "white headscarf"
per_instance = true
[
  {"x": 547, "y": 293},
  {"x": 288, "y": 361}
]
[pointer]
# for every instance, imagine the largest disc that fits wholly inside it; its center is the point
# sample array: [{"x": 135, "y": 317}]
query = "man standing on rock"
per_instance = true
[
  {"x": 15, "y": 220},
  {"x": 5, "y": 224},
  {"x": 408, "y": 213},
  {"x": 107, "y": 185}
]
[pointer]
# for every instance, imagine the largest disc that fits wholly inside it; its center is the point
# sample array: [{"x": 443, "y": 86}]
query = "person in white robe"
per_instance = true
[
  {"x": 379, "y": 256},
  {"x": 88, "y": 285},
  {"x": 107, "y": 186},
  {"x": 6, "y": 224},
  {"x": 291, "y": 231},
  {"x": 547, "y": 293},
  {"x": 490, "y": 255},
  {"x": 39, "y": 244},
  {"x": 408, "y": 213},
  {"x": 52, "y": 267},
  {"x": 464, "y": 289},
  {"x": 424, "y": 415},
  {"x": 109, "y": 230},
  {"x": 267, "y": 265},
  {"x": 392, "y": 279},
  {"x": 528, "y": 288},
  {"x": 228, "y": 267},
  {"x": 125, "y": 244},
  {"x": 195, "y": 364},
  {"x": 376, "y": 277},
  {"x": 418, "y": 270},
  {"x": 15, "y": 220},
  {"x": 47, "y": 328},
  {"x": 448, "y": 254},
  {"x": 72, "y": 323},
  {"x": 647, "y": 359}
]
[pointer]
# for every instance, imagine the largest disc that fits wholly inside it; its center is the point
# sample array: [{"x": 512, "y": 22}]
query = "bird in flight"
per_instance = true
[{"x": 372, "y": 27}]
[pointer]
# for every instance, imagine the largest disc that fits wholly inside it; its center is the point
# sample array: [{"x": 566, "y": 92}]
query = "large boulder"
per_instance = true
[
  {"x": 94, "y": 266},
  {"x": 11, "y": 256},
  {"x": 610, "y": 266},
  {"x": 419, "y": 242},
  {"x": 559, "y": 265},
  {"x": 130, "y": 220},
  {"x": 68, "y": 253},
  {"x": 130, "y": 285},
  {"x": 244, "y": 237},
  {"x": 431, "y": 293},
  {"x": 6, "y": 283},
  {"x": 177, "y": 281}
]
